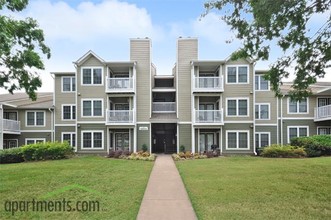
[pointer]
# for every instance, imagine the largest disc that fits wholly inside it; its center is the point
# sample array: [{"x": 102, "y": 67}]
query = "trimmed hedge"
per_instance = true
[
  {"x": 283, "y": 151},
  {"x": 315, "y": 146},
  {"x": 38, "y": 151}
]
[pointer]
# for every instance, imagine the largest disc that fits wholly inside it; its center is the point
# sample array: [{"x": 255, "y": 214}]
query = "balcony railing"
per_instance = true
[
  {"x": 202, "y": 84},
  {"x": 10, "y": 126},
  {"x": 120, "y": 84},
  {"x": 164, "y": 107},
  {"x": 120, "y": 116},
  {"x": 323, "y": 112},
  {"x": 208, "y": 116}
]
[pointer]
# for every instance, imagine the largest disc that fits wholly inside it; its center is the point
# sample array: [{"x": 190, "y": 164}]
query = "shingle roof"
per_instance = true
[
  {"x": 317, "y": 88},
  {"x": 22, "y": 101}
]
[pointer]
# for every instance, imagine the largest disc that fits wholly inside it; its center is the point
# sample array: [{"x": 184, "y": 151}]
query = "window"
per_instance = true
[
  {"x": 92, "y": 108},
  {"x": 68, "y": 112},
  {"x": 262, "y": 139},
  {"x": 35, "y": 118},
  {"x": 237, "y": 107},
  {"x": 10, "y": 115},
  {"x": 70, "y": 137},
  {"x": 237, "y": 74},
  {"x": 237, "y": 140},
  {"x": 298, "y": 106},
  {"x": 323, "y": 102},
  {"x": 10, "y": 143},
  {"x": 323, "y": 130},
  {"x": 261, "y": 84},
  {"x": 34, "y": 140},
  {"x": 68, "y": 84},
  {"x": 122, "y": 141},
  {"x": 262, "y": 111},
  {"x": 92, "y": 76},
  {"x": 92, "y": 139},
  {"x": 296, "y": 131}
]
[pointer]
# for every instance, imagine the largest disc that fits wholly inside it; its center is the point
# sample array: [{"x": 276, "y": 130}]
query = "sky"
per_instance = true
[{"x": 73, "y": 27}]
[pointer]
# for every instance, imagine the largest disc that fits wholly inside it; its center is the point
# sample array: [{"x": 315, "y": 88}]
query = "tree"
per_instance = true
[
  {"x": 21, "y": 41},
  {"x": 259, "y": 23}
]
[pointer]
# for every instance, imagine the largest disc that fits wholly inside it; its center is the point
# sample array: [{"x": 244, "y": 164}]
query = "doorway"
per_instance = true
[{"x": 164, "y": 138}]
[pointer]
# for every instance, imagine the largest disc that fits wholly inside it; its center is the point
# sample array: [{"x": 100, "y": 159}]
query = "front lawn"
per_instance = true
[
  {"x": 259, "y": 188},
  {"x": 115, "y": 186}
]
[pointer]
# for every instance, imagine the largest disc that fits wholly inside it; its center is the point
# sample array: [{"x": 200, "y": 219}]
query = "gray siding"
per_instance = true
[
  {"x": 60, "y": 129},
  {"x": 300, "y": 122},
  {"x": 236, "y": 127},
  {"x": 271, "y": 129},
  {"x": 185, "y": 136},
  {"x": 91, "y": 127},
  {"x": 22, "y": 118},
  {"x": 143, "y": 136},
  {"x": 311, "y": 106}
]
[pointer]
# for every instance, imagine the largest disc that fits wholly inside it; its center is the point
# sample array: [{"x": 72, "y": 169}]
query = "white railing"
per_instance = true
[
  {"x": 11, "y": 125},
  {"x": 120, "y": 84},
  {"x": 208, "y": 83},
  {"x": 164, "y": 107},
  {"x": 209, "y": 116},
  {"x": 120, "y": 116},
  {"x": 322, "y": 112}
]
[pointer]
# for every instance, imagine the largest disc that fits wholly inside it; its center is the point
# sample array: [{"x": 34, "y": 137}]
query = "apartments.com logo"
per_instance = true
[{"x": 62, "y": 205}]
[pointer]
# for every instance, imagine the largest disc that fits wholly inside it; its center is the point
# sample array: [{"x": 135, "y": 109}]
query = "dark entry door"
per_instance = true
[{"x": 164, "y": 143}]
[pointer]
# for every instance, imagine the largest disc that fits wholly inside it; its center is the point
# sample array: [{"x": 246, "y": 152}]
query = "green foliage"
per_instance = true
[
  {"x": 284, "y": 151},
  {"x": 13, "y": 155},
  {"x": 182, "y": 148},
  {"x": 261, "y": 23},
  {"x": 144, "y": 147},
  {"x": 188, "y": 155},
  {"x": 21, "y": 41},
  {"x": 315, "y": 146}
]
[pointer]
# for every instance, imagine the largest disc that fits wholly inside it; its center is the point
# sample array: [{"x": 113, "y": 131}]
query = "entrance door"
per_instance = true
[
  {"x": 164, "y": 138},
  {"x": 206, "y": 141}
]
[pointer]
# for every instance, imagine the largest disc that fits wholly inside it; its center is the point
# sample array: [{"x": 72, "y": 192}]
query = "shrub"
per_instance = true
[
  {"x": 126, "y": 153},
  {"x": 285, "y": 151},
  {"x": 111, "y": 154},
  {"x": 209, "y": 154},
  {"x": 315, "y": 146},
  {"x": 118, "y": 153},
  {"x": 13, "y": 155},
  {"x": 182, "y": 148},
  {"x": 144, "y": 147}
]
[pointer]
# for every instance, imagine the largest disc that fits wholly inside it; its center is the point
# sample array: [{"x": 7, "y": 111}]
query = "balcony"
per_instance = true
[
  {"x": 10, "y": 126},
  {"x": 322, "y": 113},
  {"x": 120, "y": 85},
  {"x": 208, "y": 84},
  {"x": 164, "y": 107},
  {"x": 209, "y": 116},
  {"x": 120, "y": 116}
]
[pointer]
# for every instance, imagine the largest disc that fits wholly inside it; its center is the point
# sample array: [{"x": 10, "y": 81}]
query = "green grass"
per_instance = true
[
  {"x": 259, "y": 188},
  {"x": 118, "y": 186}
]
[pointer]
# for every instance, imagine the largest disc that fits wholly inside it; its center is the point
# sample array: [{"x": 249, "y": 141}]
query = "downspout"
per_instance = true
[
  {"x": 253, "y": 113},
  {"x": 281, "y": 121},
  {"x": 1, "y": 127},
  {"x": 51, "y": 109}
]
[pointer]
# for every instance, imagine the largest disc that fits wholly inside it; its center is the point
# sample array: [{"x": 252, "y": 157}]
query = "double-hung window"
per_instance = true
[
  {"x": 92, "y": 108},
  {"x": 237, "y": 74},
  {"x": 92, "y": 139},
  {"x": 262, "y": 111},
  {"x": 35, "y": 118},
  {"x": 262, "y": 139},
  {"x": 297, "y": 131},
  {"x": 261, "y": 84},
  {"x": 92, "y": 76},
  {"x": 68, "y": 84},
  {"x": 68, "y": 112},
  {"x": 298, "y": 106},
  {"x": 237, "y": 140},
  {"x": 34, "y": 140},
  {"x": 323, "y": 130},
  {"x": 70, "y": 137},
  {"x": 237, "y": 107}
]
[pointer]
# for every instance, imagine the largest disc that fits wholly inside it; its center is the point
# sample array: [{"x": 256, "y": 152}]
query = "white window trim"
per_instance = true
[
  {"x": 301, "y": 113},
  {"x": 92, "y": 108},
  {"x": 259, "y": 104},
  {"x": 237, "y": 133},
  {"x": 297, "y": 127},
  {"x": 71, "y": 117},
  {"x": 71, "y": 139},
  {"x": 92, "y": 144},
  {"x": 259, "y": 85},
  {"x": 72, "y": 79},
  {"x": 269, "y": 137},
  {"x": 35, "y": 118},
  {"x": 12, "y": 140},
  {"x": 34, "y": 139},
  {"x": 318, "y": 127},
  {"x": 237, "y": 106},
  {"x": 92, "y": 81},
  {"x": 320, "y": 97},
  {"x": 237, "y": 74}
]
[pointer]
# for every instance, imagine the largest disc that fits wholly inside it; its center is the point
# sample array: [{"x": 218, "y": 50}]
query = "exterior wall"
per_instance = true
[
  {"x": 143, "y": 136},
  {"x": 271, "y": 129},
  {"x": 91, "y": 127},
  {"x": 60, "y": 129},
  {"x": 237, "y": 127},
  {"x": 23, "y": 119},
  {"x": 187, "y": 50},
  {"x": 298, "y": 122},
  {"x": 185, "y": 133},
  {"x": 140, "y": 51},
  {"x": 24, "y": 135},
  {"x": 311, "y": 105}
]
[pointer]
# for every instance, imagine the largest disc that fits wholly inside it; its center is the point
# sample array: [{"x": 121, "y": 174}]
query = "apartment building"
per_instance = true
[{"x": 201, "y": 104}]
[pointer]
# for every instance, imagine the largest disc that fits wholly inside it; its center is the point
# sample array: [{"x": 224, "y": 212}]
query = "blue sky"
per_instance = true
[{"x": 105, "y": 26}]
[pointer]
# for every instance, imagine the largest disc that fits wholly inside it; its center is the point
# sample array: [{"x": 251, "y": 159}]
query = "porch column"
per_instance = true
[
  {"x": 135, "y": 139},
  {"x": 193, "y": 139}
]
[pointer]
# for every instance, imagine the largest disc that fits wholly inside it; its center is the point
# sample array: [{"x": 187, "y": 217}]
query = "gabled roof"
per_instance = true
[
  {"x": 88, "y": 55},
  {"x": 22, "y": 101},
  {"x": 319, "y": 88}
]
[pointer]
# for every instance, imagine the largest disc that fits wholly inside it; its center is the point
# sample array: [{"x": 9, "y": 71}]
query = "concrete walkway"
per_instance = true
[{"x": 165, "y": 196}]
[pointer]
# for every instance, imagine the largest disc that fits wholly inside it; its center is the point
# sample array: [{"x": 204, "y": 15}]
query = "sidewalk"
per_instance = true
[{"x": 165, "y": 196}]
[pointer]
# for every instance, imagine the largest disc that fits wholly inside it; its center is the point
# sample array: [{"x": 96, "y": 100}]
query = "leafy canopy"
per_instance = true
[
  {"x": 20, "y": 44},
  {"x": 259, "y": 23}
]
